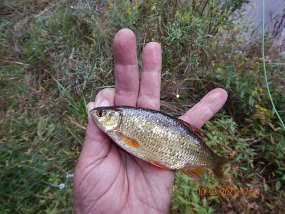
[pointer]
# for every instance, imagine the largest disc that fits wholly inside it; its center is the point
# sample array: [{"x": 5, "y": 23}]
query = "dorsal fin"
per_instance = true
[{"x": 194, "y": 129}]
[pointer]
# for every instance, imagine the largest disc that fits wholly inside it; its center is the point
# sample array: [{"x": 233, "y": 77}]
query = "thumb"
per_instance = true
[
  {"x": 92, "y": 129},
  {"x": 104, "y": 98},
  {"x": 95, "y": 140},
  {"x": 91, "y": 122},
  {"x": 99, "y": 102}
]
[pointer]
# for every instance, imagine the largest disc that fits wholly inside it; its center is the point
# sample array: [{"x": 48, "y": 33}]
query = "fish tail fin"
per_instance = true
[{"x": 219, "y": 167}]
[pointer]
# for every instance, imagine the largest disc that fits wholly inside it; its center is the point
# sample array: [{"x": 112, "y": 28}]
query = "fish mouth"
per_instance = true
[{"x": 101, "y": 108}]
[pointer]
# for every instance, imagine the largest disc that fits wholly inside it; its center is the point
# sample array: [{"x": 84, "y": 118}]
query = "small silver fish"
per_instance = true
[{"x": 159, "y": 139}]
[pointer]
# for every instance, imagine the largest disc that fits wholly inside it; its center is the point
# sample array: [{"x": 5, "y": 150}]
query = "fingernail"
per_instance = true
[{"x": 102, "y": 103}]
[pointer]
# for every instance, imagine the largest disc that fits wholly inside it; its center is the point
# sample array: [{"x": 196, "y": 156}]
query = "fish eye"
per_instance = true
[{"x": 101, "y": 113}]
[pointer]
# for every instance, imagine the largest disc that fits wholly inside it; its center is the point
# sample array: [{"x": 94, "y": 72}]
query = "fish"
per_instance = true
[{"x": 160, "y": 139}]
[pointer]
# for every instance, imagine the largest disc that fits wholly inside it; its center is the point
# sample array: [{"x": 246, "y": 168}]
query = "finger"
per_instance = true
[
  {"x": 96, "y": 141},
  {"x": 149, "y": 95},
  {"x": 126, "y": 68},
  {"x": 203, "y": 111},
  {"x": 105, "y": 97}
]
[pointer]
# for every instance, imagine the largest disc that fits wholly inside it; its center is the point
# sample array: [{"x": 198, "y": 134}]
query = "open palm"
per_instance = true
[{"x": 110, "y": 180}]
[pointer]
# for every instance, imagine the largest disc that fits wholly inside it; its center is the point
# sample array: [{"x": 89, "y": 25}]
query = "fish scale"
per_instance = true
[{"x": 152, "y": 139}]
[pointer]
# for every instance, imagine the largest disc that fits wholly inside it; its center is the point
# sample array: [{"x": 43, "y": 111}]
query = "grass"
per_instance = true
[{"x": 56, "y": 56}]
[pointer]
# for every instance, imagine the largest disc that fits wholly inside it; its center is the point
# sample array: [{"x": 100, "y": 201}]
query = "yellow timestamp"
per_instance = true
[{"x": 229, "y": 191}]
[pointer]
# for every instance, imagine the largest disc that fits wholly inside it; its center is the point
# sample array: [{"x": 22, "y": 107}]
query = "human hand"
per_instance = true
[{"x": 108, "y": 179}]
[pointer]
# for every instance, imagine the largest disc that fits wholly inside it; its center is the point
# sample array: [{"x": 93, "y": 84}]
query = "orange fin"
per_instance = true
[
  {"x": 194, "y": 129},
  {"x": 196, "y": 172},
  {"x": 128, "y": 141},
  {"x": 158, "y": 164}
]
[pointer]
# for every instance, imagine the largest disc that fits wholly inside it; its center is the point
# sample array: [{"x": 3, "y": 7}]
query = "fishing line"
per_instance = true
[{"x": 264, "y": 67}]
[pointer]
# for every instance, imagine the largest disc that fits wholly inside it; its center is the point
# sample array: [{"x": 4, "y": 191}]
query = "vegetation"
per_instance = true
[{"x": 55, "y": 57}]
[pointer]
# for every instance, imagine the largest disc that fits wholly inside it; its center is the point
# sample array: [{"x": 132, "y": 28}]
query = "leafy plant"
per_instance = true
[{"x": 60, "y": 55}]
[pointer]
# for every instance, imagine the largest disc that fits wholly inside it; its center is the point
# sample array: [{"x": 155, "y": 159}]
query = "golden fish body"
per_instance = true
[{"x": 158, "y": 138}]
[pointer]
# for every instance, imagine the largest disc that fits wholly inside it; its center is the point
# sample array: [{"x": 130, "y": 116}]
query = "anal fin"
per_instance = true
[{"x": 196, "y": 172}]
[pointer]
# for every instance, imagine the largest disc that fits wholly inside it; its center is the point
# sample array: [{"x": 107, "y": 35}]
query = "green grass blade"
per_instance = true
[{"x": 264, "y": 68}]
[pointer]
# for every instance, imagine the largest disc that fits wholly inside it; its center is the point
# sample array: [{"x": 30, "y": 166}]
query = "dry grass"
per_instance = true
[{"x": 57, "y": 55}]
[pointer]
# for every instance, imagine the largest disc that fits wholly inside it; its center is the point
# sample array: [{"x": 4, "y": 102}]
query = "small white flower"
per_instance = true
[
  {"x": 61, "y": 186},
  {"x": 69, "y": 175}
]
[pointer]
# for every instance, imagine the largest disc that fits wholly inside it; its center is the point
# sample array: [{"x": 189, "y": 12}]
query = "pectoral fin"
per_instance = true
[{"x": 128, "y": 141}]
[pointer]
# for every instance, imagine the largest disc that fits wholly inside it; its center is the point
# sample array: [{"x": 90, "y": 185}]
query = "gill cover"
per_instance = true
[{"x": 106, "y": 119}]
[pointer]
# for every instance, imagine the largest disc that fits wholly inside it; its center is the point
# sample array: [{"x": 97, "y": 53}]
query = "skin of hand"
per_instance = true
[{"x": 108, "y": 179}]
